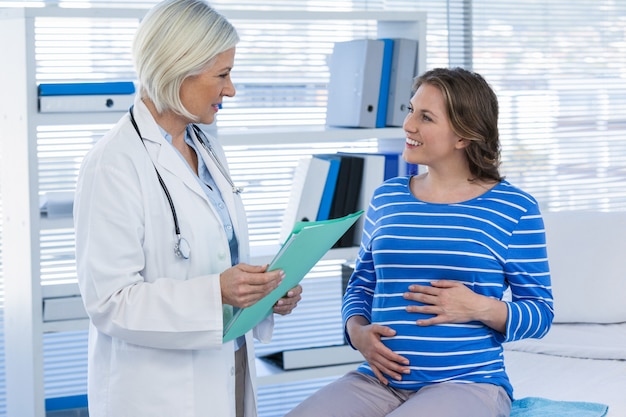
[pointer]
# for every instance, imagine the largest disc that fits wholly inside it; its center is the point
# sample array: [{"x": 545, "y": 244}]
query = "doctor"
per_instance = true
[{"x": 161, "y": 236}]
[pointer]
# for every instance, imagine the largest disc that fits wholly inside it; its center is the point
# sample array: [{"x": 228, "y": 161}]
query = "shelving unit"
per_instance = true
[{"x": 22, "y": 221}]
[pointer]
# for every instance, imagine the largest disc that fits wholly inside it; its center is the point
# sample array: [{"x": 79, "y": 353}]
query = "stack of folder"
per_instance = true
[
  {"x": 330, "y": 186},
  {"x": 370, "y": 82}
]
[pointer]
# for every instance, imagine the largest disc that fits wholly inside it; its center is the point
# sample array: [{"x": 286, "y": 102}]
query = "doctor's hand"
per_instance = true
[
  {"x": 366, "y": 338},
  {"x": 243, "y": 284},
  {"x": 286, "y": 304}
]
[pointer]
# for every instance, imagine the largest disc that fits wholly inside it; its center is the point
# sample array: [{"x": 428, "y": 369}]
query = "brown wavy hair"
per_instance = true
[{"x": 472, "y": 108}]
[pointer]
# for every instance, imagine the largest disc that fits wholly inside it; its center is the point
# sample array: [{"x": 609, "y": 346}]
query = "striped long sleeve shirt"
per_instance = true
[{"x": 490, "y": 243}]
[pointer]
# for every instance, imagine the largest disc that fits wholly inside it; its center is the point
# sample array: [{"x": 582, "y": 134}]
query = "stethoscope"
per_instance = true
[{"x": 181, "y": 247}]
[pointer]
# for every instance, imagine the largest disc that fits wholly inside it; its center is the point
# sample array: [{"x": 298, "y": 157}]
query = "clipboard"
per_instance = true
[{"x": 305, "y": 246}]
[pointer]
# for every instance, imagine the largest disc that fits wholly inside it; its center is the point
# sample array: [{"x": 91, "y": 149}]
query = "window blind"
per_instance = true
[{"x": 558, "y": 68}]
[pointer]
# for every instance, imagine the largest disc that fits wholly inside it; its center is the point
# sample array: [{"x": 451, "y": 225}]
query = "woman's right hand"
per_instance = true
[
  {"x": 243, "y": 285},
  {"x": 383, "y": 361}
]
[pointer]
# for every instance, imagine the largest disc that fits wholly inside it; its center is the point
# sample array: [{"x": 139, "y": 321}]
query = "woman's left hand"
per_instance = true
[
  {"x": 448, "y": 302},
  {"x": 286, "y": 304}
]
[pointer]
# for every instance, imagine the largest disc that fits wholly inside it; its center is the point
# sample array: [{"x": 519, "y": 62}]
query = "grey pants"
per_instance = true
[
  {"x": 359, "y": 395},
  {"x": 241, "y": 366}
]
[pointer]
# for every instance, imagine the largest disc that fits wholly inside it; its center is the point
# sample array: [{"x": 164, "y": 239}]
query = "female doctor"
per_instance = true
[{"x": 161, "y": 236}]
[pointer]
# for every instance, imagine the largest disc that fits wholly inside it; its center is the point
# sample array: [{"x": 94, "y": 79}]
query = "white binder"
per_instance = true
[
  {"x": 354, "y": 87},
  {"x": 404, "y": 68},
  {"x": 306, "y": 193},
  {"x": 85, "y": 96},
  {"x": 86, "y": 103}
]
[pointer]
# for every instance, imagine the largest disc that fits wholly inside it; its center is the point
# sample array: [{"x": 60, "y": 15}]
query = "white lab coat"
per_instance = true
[{"x": 155, "y": 341}]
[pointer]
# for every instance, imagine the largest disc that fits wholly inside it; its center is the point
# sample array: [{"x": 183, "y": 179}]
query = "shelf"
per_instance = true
[
  {"x": 303, "y": 134},
  {"x": 241, "y": 136}
]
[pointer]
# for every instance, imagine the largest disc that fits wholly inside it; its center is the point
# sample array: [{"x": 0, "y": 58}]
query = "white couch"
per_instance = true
[{"x": 583, "y": 357}]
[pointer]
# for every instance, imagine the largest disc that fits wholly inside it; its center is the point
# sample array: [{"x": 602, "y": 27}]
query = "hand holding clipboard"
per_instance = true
[{"x": 305, "y": 246}]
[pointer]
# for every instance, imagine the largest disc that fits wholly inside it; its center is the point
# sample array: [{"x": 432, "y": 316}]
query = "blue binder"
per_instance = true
[
  {"x": 86, "y": 89},
  {"x": 326, "y": 202},
  {"x": 404, "y": 68},
  {"x": 385, "y": 77}
]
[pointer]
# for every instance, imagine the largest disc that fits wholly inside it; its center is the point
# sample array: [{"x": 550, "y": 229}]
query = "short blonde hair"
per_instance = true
[{"x": 175, "y": 40}]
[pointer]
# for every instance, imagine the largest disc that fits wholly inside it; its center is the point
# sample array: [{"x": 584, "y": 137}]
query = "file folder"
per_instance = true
[
  {"x": 86, "y": 89},
  {"x": 85, "y": 97},
  {"x": 373, "y": 176},
  {"x": 354, "y": 85},
  {"x": 315, "y": 357},
  {"x": 84, "y": 103},
  {"x": 347, "y": 192},
  {"x": 385, "y": 78},
  {"x": 323, "y": 213},
  {"x": 306, "y": 193},
  {"x": 306, "y": 245},
  {"x": 404, "y": 68}
]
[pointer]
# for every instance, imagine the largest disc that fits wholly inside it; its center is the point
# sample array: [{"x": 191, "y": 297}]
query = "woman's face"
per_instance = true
[
  {"x": 202, "y": 94},
  {"x": 429, "y": 135}
]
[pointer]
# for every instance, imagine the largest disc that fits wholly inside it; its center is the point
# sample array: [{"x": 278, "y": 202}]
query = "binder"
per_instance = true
[
  {"x": 396, "y": 166},
  {"x": 305, "y": 246},
  {"x": 377, "y": 168},
  {"x": 85, "y": 97},
  {"x": 372, "y": 176},
  {"x": 315, "y": 357},
  {"x": 84, "y": 103},
  {"x": 392, "y": 165},
  {"x": 57, "y": 203},
  {"x": 350, "y": 196},
  {"x": 353, "y": 89},
  {"x": 306, "y": 193},
  {"x": 63, "y": 308},
  {"x": 385, "y": 77},
  {"x": 86, "y": 89},
  {"x": 404, "y": 68},
  {"x": 323, "y": 212}
]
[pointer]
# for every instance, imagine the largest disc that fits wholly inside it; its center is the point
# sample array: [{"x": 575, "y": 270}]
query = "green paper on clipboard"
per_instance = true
[{"x": 305, "y": 246}]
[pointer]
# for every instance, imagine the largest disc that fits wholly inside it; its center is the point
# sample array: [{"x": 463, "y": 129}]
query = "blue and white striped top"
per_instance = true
[{"x": 489, "y": 243}]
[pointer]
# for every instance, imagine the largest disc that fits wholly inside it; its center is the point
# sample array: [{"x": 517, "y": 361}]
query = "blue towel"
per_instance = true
[{"x": 542, "y": 407}]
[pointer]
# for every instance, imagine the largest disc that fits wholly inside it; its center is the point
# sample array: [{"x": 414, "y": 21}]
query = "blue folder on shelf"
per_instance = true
[
  {"x": 385, "y": 78},
  {"x": 323, "y": 213},
  {"x": 306, "y": 245},
  {"x": 404, "y": 68}
]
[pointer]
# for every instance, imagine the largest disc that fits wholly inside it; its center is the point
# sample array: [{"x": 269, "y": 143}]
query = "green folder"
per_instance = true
[{"x": 305, "y": 246}]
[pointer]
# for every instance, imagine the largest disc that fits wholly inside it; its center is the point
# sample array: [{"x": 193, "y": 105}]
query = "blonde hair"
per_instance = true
[{"x": 175, "y": 40}]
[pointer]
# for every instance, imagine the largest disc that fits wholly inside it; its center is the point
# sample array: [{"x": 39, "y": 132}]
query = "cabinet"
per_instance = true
[{"x": 22, "y": 223}]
